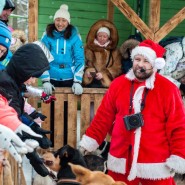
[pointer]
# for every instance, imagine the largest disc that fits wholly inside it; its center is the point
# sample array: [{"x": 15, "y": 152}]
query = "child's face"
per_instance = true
[
  {"x": 30, "y": 81},
  {"x": 102, "y": 38}
]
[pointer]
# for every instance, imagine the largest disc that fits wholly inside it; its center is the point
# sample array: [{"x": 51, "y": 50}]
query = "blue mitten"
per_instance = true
[{"x": 77, "y": 88}]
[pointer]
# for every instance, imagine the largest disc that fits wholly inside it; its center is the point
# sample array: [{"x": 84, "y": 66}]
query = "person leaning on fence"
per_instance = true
[
  {"x": 147, "y": 138},
  {"x": 64, "y": 43},
  {"x": 27, "y": 63},
  {"x": 103, "y": 60},
  {"x": 10, "y": 125}
]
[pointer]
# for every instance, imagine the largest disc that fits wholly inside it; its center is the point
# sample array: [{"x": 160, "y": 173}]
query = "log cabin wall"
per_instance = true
[{"x": 85, "y": 12}]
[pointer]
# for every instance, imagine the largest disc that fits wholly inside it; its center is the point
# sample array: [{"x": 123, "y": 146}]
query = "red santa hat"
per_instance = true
[{"x": 152, "y": 51}]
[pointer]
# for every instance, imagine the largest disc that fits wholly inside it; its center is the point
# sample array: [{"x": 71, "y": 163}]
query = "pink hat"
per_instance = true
[{"x": 152, "y": 51}]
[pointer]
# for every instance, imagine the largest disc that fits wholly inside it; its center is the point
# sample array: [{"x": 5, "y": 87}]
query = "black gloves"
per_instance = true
[
  {"x": 35, "y": 160},
  {"x": 36, "y": 115},
  {"x": 37, "y": 163},
  {"x": 44, "y": 142}
]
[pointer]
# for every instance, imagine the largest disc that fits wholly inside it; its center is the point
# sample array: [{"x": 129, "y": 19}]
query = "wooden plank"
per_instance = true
[
  {"x": 72, "y": 120},
  {"x": 45, "y": 109},
  {"x": 33, "y": 20},
  {"x": 97, "y": 101},
  {"x": 59, "y": 121},
  {"x": 134, "y": 18},
  {"x": 170, "y": 25},
  {"x": 85, "y": 113},
  {"x": 154, "y": 12},
  {"x": 67, "y": 90},
  {"x": 110, "y": 10}
]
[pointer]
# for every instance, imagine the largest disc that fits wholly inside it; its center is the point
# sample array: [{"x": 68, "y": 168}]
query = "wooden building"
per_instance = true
[{"x": 155, "y": 19}]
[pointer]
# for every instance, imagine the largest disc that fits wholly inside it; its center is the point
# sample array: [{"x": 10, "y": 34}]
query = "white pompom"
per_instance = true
[
  {"x": 64, "y": 6},
  {"x": 159, "y": 63}
]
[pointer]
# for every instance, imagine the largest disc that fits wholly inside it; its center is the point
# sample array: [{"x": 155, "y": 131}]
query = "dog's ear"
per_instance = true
[
  {"x": 79, "y": 171},
  {"x": 66, "y": 152}
]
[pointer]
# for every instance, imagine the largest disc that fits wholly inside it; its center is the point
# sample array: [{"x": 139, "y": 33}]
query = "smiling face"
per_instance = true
[
  {"x": 61, "y": 24},
  {"x": 5, "y": 14},
  {"x": 139, "y": 63}
]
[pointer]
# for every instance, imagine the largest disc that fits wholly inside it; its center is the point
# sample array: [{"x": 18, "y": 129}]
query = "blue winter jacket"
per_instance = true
[{"x": 68, "y": 56}]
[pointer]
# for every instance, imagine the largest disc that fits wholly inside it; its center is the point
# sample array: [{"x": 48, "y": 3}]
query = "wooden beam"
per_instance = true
[
  {"x": 170, "y": 25},
  {"x": 134, "y": 18},
  {"x": 33, "y": 20},
  {"x": 110, "y": 11},
  {"x": 154, "y": 15}
]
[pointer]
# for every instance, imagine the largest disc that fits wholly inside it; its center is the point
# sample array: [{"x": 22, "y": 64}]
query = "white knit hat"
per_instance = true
[
  {"x": 105, "y": 30},
  {"x": 62, "y": 13}
]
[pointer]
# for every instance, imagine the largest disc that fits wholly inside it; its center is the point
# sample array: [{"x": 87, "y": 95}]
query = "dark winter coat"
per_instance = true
[
  {"x": 106, "y": 60},
  {"x": 125, "y": 50},
  {"x": 28, "y": 61}
]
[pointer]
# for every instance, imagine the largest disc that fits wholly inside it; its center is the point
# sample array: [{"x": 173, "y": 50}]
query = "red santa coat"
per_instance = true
[{"x": 151, "y": 151}]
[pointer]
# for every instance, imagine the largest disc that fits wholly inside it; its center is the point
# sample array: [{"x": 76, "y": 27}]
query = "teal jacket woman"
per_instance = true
[{"x": 64, "y": 42}]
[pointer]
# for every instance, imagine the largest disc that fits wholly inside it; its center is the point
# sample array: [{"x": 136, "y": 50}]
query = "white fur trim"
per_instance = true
[
  {"x": 137, "y": 99},
  {"x": 133, "y": 172},
  {"x": 137, "y": 108},
  {"x": 146, "y": 52},
  {"x": 115, "y": 164},
  {"x": 176, "y": 163},
  {"x": 149, "y": 81},
  {"x": 153, "y": 171},
  {"x": 159, "y": 63},
  {"x": 88, "y": 143}
]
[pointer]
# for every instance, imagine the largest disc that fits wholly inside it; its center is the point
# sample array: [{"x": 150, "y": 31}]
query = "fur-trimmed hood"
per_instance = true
[
  {"x": 127, "y": 45},
  {"x": 92, "y": 35}
]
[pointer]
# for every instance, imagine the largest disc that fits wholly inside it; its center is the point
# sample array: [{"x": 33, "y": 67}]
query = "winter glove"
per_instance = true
[
  {"x": 23, "y": 128},
  {"x": 37, "y": 163},
  {"x": 47, "y": 98},
  {"x": 12, "y": 143},
  {"x": 28, "y": 136},
  {"x": 36, "y": 115},
  {"x": 77, "y": 88},
  {"x": 44, "y": 142},
  {"x": 48, "y": 87}
]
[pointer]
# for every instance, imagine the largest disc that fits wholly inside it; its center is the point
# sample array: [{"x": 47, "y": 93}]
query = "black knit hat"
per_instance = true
[{"x": 9, "y": 5}]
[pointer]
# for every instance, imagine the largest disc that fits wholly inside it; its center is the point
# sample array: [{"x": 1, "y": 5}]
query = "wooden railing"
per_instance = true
[
  {"x": 10, "y": 172},
  {"x": 70, "y": 111}
]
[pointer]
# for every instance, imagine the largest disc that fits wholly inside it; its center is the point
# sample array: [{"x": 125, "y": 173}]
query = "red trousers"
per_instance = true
[{"x": 136, "y": 181}]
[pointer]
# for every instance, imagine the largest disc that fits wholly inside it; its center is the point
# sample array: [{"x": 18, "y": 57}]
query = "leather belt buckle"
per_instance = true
[{"x": 61, "y": 66}]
